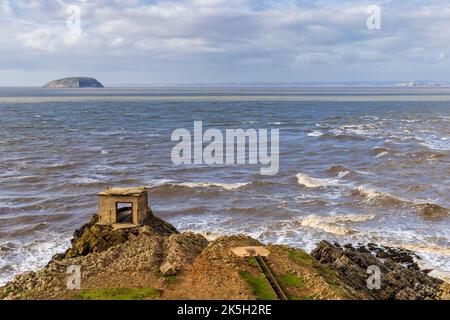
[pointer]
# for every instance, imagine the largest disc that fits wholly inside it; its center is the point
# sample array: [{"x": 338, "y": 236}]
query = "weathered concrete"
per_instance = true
[
  {"x": 246, "y": 251},
  {"x": 109, "y": 199}
]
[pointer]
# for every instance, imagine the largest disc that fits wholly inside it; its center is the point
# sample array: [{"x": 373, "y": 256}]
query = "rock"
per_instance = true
[
  {"x": 398, "y": 281},
  {"x": 157, "y": 226},
  {"x": 444, "y": 291},
  {"x": 93, "y": 237},
  {"x": 183, "y": 248},
  {"x": 168, "y": 269},
  {"x": 76, "y": 82}
]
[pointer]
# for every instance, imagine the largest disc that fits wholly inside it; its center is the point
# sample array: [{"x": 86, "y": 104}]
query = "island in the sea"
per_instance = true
[{"x": 75, "y": 82}]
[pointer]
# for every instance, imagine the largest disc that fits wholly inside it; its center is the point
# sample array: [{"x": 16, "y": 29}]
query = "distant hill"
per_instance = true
[{"x": 75, "y": 82}]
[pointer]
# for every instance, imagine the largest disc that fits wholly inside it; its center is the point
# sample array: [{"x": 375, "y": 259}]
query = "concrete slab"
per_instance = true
[
  {"x": 245, "y": 251},
  {"x": 134, "y": 191}
]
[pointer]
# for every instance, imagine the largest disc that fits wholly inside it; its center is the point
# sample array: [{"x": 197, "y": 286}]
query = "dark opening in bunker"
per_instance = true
[{"x": 124, "y": 212}]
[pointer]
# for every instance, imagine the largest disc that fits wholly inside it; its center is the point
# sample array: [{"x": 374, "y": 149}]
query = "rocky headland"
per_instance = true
[
  {"x": 75, "y": 82},
  {"x": 155, "y": 261}
]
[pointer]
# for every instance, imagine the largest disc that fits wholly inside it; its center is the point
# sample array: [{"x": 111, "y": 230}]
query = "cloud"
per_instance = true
[{"x": 234, "y": 40}]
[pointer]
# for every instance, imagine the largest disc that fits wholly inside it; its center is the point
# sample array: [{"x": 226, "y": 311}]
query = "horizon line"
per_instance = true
[{"x": 381, "y": 83}]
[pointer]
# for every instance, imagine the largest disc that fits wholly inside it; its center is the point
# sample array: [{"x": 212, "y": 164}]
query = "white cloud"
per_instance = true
[{"x": 212, "y": 35}]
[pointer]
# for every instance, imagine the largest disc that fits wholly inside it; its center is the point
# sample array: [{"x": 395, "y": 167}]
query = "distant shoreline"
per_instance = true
[
  {"x": 106, "y": 98},
  {"x": 224, "y": 86}
]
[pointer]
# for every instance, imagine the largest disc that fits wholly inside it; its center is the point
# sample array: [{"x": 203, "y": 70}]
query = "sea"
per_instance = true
[{"x": 356, "y": 165}]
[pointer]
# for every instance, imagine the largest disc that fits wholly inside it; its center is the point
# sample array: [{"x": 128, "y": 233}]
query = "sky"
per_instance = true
[{"x": 210, "y": 41}]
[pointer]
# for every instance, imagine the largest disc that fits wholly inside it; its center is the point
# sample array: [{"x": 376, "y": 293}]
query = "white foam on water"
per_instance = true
[
  {"x": 85, "y": 180},
  {"x": 6, "y": 204},
  {"x": 381, "y": 154},
  {"x": 426, "y": 248},
  {"x": 206, "y": 223},
  {"x": 366, "y": 130},
  {"x": 310, "y": 182},
  {"x": 208, "y": 235},
  {"x": 342, "y": 174},
  {"x": 315, "y": 133},
  {"x": 371, "y": 194},
  {"x": 203, "y": 184},
  {"x": 436, "y": 143},
  {"x": 158, "y": 182},
  {"x": 31, "y": 256},
  {"x": 334, "y": 224},
  {"x": 226, "y": 186},
  {"x": 431, "y": 257}
]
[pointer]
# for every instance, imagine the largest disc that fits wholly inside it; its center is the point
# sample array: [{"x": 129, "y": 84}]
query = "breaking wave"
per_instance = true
[
  {"x": 371, "y": 194},
  {"x": 426, "y": 210},
  {"x": 226, "y": 186},
  {"x": 86, "y": 180},
  {"x": 379, "y": 152},
  {"x": 334, "y": 224},
  {"x": 29, "y": 256},
  {"x": 339, "y": 171},
  {"x": 315, "y": 133},
  {"x": 310, "y": 182},
  {"x": 431, "y": 210}
]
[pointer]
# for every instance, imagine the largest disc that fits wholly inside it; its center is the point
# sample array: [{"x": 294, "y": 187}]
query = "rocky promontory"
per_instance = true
[
  {"x": 75, "y": 82},
  {"x": 155, "y": 261}
]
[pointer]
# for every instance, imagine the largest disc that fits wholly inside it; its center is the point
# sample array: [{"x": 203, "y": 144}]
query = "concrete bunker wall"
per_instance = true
[{"x": 108, "y": 208}]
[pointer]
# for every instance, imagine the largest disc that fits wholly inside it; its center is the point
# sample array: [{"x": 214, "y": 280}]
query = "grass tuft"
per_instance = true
[
  {"x": 301, "y": 258},
  {"x": 119, "y": 294},
  {"x": 259, "y": 285},
  {"x": 289, "y": 280},
  {"x": 171, "y": 279},
  {"x": 252, "y": 262}
]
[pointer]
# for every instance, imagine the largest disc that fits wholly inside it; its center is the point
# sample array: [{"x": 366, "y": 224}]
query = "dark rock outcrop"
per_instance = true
[
  {"x": 93, "y": 237},
  {"x": 75, "y": 82},
  {"x": 400, "y": 278}
]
